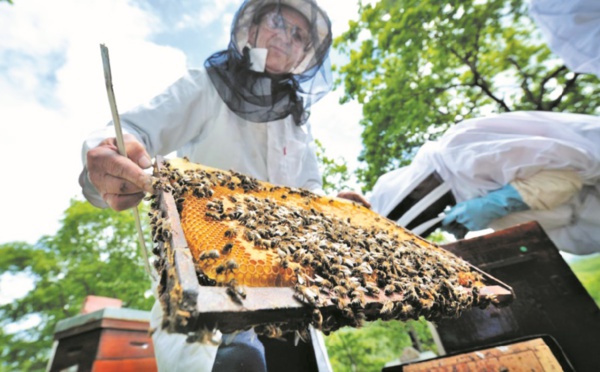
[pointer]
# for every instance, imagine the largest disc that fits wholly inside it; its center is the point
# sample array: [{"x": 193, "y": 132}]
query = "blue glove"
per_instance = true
[{"x": 477, "y": 214}]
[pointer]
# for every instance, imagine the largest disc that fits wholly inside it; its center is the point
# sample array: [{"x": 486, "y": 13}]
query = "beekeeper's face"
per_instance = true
[{"x": 284, "y": 32}]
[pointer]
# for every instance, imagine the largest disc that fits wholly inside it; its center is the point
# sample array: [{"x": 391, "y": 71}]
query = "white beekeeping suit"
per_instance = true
[
  {"x": 551, "y": 159},
  {"x": 572, "y": 30}
]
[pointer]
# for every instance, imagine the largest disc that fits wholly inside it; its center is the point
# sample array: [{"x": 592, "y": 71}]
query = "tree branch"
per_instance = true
[
  {"x": 526, "y": 77},
  {"x": 479, "y": 81},
  {"x": 547, "y": 78},
  {"x": 568, "y": 87}
]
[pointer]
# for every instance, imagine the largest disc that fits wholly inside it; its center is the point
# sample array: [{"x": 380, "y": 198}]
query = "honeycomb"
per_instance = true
[
  {"x": 240, "y": 256},
  {"x": 242, "y": 232}
]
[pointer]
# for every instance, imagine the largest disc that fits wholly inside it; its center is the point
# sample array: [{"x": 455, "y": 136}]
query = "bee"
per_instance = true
[
  {"x": 342, "y": 270},
  {"x": 298, "y": 254},
  {"x": 271, "y": 331},
  {"x": 212, "y": 205},
  {"x": 349, "y": 262},
  {"x": 364, "y": 268},
  {"x": 340, "y": 291},
  {"x": 387, "y": 308},
  {"x": 406, "y": 310},
  {"x": 322, "y": 282},
  {"x": 250, "y": 223},
  {"x": 209, "y": 192},
  {"x": 198, "y": 192},
  {"x": 426, "y": 304},
  {"x": 307, "y": 259},
  {"x": 213, "y": 215},
  {"x": 235, "y": 291},
  {"x": 348, "y": 313},
  {"x": 253, "y": 236},
  {"x": 230, "y": 233},
  {"x": 275, "y": 242},
  {"x": 372, "y": 289},
  {"x": 340, "y": 302},
  {"x": 227, "y": 248},
  {"x": 238, "y": 214},
  {"x": 307, "y": 294},
  {"x": 358, "y": 298},
  {"x": 389, "y": 289},
  {"x": 231, "y": 265},
  {"x": 212, "y": 254},
  {"x": 317, "y": 318},
  {"x": 410, "y": 294},
  {"x": 232, "y": 199},
  {"x": 233, "y": 295},
  {"x": 220, "y": 269},
  {"x": 282, "y": 252},
  {"x": 300, "y": 277}
]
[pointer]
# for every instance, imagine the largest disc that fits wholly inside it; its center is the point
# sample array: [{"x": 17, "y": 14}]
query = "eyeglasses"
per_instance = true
[{"x": 276, "y": 22}]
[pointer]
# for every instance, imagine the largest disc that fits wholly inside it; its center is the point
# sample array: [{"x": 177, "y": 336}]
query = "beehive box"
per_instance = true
[{"x": 235, "y": 253}]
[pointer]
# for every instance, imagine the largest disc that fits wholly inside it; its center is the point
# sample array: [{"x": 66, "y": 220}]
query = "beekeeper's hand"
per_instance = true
[
  {"x": 477, "y": 214},
  {"x": 354, "y": 196},
  {"x": 121, "y": 181}
]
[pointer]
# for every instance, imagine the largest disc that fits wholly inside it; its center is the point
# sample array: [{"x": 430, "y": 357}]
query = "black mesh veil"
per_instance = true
[{"x": 259, "y": 96}]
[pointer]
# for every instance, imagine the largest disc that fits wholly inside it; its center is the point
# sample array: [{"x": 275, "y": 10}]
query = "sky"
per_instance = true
[{"x": 52, "y": 91}]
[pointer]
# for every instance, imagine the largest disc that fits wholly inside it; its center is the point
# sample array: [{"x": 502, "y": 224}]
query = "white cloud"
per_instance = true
[
  {"x": 209, "y": 14},
  {"x": 13, "y": 286},
  {"x": 337, "y": 128},
  {"x": 340, "y": 15},
  {"x": 55, "y": 95}
]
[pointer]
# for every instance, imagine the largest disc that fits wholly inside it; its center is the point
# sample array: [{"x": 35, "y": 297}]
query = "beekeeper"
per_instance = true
[
  {"x": 498, "y": 171},
  {"x": 572, "y": 30},
  {"x": 246, "y": 110}
]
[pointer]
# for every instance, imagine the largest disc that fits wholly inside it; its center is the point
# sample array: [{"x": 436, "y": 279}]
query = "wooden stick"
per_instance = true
[{"x": 122, "y": 151}]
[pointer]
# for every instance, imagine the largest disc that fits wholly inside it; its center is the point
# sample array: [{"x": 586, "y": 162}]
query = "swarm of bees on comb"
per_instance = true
[{"x": 335, "y": 254}]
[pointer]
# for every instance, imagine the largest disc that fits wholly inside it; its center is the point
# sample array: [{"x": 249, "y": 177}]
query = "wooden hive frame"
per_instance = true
[{"x": 191, "y": 308}]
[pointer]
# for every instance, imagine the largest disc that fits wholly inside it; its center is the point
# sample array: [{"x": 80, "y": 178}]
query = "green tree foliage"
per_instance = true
[
  {"x": 587, "y": 271},
  {"x": 334, "y": 172},
  {"x": 8, "y": 1},
  {"x": 95, "y": 252},
  {"x": 420, "y": 66},
  {"x": 369, "y": 348}
]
